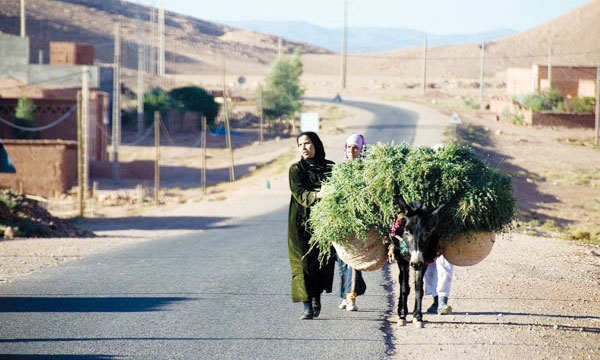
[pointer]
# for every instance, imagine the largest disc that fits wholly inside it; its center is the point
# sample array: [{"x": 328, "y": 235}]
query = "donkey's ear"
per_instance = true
[
  {"x": 435, "y": 215},
  {"x": 400, "y": 200}
]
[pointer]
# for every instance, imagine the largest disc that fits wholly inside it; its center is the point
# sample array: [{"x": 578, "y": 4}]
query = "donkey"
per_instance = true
[{"x": 416, "y": 244}]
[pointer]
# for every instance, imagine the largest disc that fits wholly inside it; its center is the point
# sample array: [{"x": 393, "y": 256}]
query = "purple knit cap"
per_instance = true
[{"x": 358, "y": 140}]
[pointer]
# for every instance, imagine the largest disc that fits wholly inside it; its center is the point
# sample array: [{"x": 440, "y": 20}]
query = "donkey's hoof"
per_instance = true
[
  {"x": 418, "y": 324},
  {"x": 402, "y": 322}
]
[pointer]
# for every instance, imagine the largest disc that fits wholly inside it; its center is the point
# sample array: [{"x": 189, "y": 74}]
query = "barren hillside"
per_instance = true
[
  {"x": 191, "y": 45},
  {"x": 196, "y": 48}
]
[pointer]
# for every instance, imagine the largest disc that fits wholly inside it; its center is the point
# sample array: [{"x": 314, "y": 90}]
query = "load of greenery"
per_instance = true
[
  {"x": 156, "y": 99},
  {"x": 362, "y": 195},
  {"x": 24, "y": 113},
  {"x": 28, "y": 219},
  {"x": 282, "y": 91}
]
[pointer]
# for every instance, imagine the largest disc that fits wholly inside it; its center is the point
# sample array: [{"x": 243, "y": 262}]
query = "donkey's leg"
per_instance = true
[
  {"x": 418, "y": 315},
  {"x": 404, "y": 291}
]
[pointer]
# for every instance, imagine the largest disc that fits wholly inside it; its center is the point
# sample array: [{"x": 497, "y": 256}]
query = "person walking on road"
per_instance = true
[
  {"x": 352, "y": 283},
  {"x": 438, "y": 280},
  {"x": 309, "y": 277}
]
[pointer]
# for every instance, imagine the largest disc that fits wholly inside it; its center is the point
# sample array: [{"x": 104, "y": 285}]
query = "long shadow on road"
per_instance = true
[{"x": 86, "y": 304}]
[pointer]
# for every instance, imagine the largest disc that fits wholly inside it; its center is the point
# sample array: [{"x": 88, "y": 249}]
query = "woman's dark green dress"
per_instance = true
[{"x": 309, "y": 279}]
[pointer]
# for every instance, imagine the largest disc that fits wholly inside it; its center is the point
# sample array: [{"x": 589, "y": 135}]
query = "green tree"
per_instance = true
[
  {"x": 193, "y": 98},
  {"x": 156, "y": 99},
  {"x": 24, "y": 113},
  {"x": 282, "y": 91}
]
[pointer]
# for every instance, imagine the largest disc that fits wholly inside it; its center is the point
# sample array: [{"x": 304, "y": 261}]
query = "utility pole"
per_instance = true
[
  {"x": 260, "y": 91},
  {"x": 157, "y": 155},
  {"x": 279, "y": 48},
  {"x": 424, "y": 65},
  {"x": 23, "y": 17},
  {"x": 153, "y": 37},
  {"x": 80, "y": 177},
  {"x": 83, "y": 139},
  {"x": 227, "y": 129},
  {"x": 161, "y": 39},
  {"x": 140, "y": 75},
  {"x": 597, "y": 131},
  {"x": 344, "y": 44},
  {"x": 481, "y": 74},
  {"x": 550, "y": 67},
  {"x": 204, "y": 154},
  {"x": 116, "y": 123}
]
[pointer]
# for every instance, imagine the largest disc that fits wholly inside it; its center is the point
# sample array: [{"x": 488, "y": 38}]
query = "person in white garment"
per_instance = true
[{"x": 438, "y": 281}]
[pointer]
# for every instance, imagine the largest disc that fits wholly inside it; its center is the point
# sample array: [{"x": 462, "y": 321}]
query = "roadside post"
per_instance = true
[
  {"x": 597, "y": 130},
  {"x": 454, "y": 120},
  {"x": 157, "y": 153},
  {"x": 204, "y": 154}
]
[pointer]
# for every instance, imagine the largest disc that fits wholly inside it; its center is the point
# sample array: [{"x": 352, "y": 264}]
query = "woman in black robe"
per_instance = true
[{"x": 309, "y": 279}]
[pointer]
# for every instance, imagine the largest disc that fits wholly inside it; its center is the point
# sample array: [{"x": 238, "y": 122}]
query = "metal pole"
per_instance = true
[
  {"x": 279, "y": 48},
  {"x": 116, "y": 124},
  {"x": 23, "y": 17},
  {"x": 204, "y": 154},
  {"x": 85, "y": 96},
  {"x": 157, "y": 158},
  {"x": 424, "y": 65},
  {"x": 80, "y": 195},
  {"x": 481, "y": 74},
  {"x": 161, "y": 39},
  {"x": 597, "y": 105},
  {"x": 140, "y": 78},
  {"x": 261, "y": 114},
  {"x": 41, "y": 56},
  {"x": 344, "y": 44},
  {"x": 550, "y": 67}
]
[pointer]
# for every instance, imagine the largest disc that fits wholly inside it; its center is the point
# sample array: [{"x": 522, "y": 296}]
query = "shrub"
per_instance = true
[
  {"x": 542, "y": 100},
  {"x": 24, "y": 113},
  {"x": 586, "y": 104},
  {"x": 281, "y": 95},
  {"x": 193, "y": 98},
  {"x": 156, "y": 99}
]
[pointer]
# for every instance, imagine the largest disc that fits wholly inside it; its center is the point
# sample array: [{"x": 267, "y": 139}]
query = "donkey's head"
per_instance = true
[{"x": 418, "y": 231}]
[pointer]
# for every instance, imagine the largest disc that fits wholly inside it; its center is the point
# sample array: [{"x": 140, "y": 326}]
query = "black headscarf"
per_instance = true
[{"x": 319, "y": 149}]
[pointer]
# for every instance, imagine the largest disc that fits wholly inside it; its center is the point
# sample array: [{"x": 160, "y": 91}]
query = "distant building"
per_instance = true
[
  {"x": 571, "y": 81},
  {"x": 53, "y": 88}
]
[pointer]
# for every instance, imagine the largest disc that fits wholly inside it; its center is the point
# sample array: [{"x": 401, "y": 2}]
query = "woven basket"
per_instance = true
[
  {"x": 363, "y": 254},
  {"x": 468, "y": 249}
]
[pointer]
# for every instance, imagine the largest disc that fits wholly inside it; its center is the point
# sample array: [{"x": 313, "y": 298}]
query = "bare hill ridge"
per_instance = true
[
  {"x": 198, "y": 47},
  {"x": 192, "y": 43}
]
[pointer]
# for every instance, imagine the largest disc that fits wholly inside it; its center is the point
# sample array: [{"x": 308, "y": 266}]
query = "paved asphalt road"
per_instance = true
[{"x": 220, "y": 293}]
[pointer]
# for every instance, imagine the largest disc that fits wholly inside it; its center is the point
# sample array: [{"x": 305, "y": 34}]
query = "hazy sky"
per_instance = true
[{"x": 433, "y": 16}]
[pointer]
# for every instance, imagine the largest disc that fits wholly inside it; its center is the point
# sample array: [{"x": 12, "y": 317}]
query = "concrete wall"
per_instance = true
[
  {"x": 14, "y": 63},
  {"x": 44, "y": 167},
  {"x": 519, "y": 81}
]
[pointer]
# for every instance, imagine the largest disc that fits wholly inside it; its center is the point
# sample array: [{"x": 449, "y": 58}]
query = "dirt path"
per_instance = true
[{"x": 531, "y": 298}]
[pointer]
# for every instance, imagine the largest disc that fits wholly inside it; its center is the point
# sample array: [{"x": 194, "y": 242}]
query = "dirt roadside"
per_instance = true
[{"x": 533, "y": 297}]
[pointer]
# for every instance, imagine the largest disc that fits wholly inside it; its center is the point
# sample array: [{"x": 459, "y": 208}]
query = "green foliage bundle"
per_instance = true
[
  {"x": 194, "y": 98},
  {"x": 282, "y": 91},
  {"x": 361, "y": 194},
  {"x": 24, "y": 113}
]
